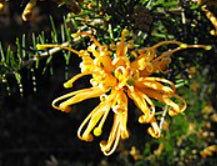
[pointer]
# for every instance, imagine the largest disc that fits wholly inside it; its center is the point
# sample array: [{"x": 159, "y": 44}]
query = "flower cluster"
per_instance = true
[{"x": 115, "y": 78}]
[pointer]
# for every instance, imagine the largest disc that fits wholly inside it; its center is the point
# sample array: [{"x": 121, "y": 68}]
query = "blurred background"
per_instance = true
[{"x": 33, "y": 133}]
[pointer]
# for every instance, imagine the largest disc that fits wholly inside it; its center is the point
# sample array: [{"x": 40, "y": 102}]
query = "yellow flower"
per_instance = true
[{"x": 114, "y": 77}]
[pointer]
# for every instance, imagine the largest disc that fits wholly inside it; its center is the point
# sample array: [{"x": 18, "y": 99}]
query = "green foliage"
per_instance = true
[{"x": 149, "y": 21}]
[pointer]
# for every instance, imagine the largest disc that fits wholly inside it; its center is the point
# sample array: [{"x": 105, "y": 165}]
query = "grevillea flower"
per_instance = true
[{"x": 115, "y": 78}]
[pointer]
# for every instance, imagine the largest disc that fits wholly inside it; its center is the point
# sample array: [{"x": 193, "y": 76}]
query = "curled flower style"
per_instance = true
[{"x": 115, "y": 78}]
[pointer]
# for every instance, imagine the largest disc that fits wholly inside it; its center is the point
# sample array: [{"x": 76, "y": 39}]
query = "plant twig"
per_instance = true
[{"x": 166, "y": 108}]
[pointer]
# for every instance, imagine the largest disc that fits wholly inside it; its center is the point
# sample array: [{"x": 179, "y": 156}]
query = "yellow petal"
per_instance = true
[
  {"x": 121, "y": 49},
  {"x": 97, "y": 117},
  {"x": 91, "y": 37},
  {"x": 105, "y": 62},
  {"x": 182, "y": 107},
  {"x": 153, "y": 83},
  {"x": 154, "y": 131},
  {"x": 95, "y": 92},
  {"x": 157, "y": 95},
  {"x": 109, "y": 146},
  {"x": 69, "y": 83},
  {"x": 93, "y": 118},
  {"x": 77, "y": 96},
  {"x": 140, "y": 102},
  {"x": 121, "y": 108}
]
